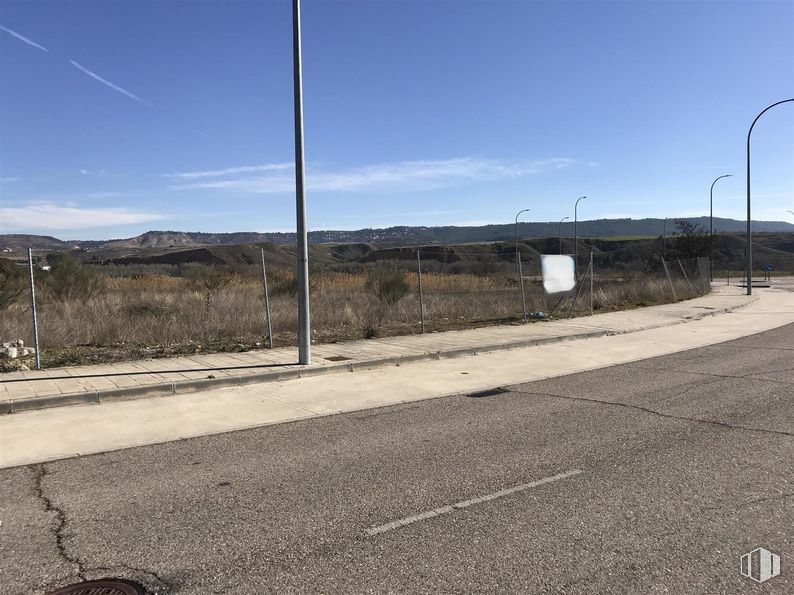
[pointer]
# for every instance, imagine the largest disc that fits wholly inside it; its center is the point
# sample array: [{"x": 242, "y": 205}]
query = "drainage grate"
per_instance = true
[
  {"x": 491, "y": 392},
  {"x": 105, "y": 586},
  {"x": 338, "y": 358}
]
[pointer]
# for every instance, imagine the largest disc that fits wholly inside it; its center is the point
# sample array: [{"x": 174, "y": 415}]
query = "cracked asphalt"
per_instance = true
[{"x": 686, "y": 464}]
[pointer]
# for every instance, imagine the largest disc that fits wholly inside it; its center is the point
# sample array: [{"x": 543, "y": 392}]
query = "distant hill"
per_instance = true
[
  {"x": 391, "y": 236},
  {"x": 20, "y": 242},
  {"x": 776, "y": 249}
]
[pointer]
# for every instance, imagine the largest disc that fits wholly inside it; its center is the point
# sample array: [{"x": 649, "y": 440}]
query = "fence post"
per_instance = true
[
  {"x": 33, "y": 309},
  {"x": 669, "y": 280},
  {"x": 591, "y": 282},
  {"x": 580, "y": 284},
  {"x": 521, "y": 282},
  {"x": 691, "y": 289},
  {"x": 267, "y": 301},
  {"x": 421, "y": 294}
]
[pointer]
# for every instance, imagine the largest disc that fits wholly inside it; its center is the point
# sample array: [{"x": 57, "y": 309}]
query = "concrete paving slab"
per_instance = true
[
  {"x": 372, "y": 353},
  {"x": 69, "y": 433},
  {"x": 57, "y": 433}
]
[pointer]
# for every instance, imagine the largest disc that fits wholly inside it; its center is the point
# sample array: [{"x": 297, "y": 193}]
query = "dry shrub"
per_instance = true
[
  {"x": 162, "y": 310},
  {"x": 70, "y": 280},
  {"x": 12, "y": 283},
  {"x": 388, "y": 285}
]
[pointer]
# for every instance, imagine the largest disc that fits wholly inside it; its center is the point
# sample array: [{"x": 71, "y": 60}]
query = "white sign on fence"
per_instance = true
[{"x": 559, "y": 275}]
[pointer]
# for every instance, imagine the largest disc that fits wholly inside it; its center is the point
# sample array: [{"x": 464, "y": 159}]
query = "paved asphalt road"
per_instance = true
[{"x": 686, "y": 463}]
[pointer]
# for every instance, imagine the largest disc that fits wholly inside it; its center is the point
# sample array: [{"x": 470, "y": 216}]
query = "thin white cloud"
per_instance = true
[
  {"x": 399, "y": 176},
  {"x": 98, "y": 173},
  {"x": 8, "y": 180},
  {"x": 49, "y": 216},
  {"x": 23, "y": 38},
  {"x": 108, "y": 83},
  {"x": 215, "y": 173},
  {"x": 103, "y": 194}
]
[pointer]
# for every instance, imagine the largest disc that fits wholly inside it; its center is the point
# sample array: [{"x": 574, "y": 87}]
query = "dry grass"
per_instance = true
[{"x": 158, "y": 315}]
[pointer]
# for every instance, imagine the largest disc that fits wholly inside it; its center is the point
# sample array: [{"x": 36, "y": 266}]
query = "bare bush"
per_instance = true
[
  {"x": 206, "y": 280},
  {"x": 135, "y": 317},
  {"x": 12, "y": 284},
  {"x": 388, "y": 285},
  {"x": 70, "y": 280}
]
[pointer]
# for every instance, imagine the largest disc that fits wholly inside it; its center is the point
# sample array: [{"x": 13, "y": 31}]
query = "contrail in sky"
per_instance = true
[
  {"x": 109, "y": 84},
  {"x": 23, "y": 38}
]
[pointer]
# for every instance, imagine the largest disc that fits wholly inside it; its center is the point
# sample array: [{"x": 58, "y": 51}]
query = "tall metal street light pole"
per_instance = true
[
  {"x": 304, "y": 330},
  {"x": 664, "y": 236},
  {"x": 576, "y": 233},
  {"x": 560, "y": 232},
  {"x": 518, "y": 268},
  {"x": 711, "y": 224},
  {"x": 749, "y": 263}
]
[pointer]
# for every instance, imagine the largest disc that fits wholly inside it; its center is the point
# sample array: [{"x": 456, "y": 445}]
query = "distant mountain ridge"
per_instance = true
[{"x": 396, "y": 236}]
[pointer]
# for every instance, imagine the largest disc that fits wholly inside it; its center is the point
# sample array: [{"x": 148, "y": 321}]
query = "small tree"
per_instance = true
[
  {"x": 207, "y": 280},
  {"x": 71, "y": 280},
  {"x": 692, "y": 240},
  {"x": 12, "y": 283},
  {"x": 388, "y": 285}
]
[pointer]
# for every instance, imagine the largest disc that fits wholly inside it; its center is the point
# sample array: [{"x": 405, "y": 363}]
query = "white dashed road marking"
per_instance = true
[{"x": 466, "y": 503}]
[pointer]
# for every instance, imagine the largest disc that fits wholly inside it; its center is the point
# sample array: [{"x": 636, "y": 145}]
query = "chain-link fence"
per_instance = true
[{"x": 192, "y": 302}]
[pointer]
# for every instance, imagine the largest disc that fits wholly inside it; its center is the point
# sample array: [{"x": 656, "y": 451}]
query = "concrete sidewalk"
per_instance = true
[{"x": 25, "y": 391}]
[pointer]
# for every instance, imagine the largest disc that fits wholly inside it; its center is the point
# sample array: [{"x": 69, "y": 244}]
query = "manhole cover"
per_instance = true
[
  {"x": 105, "y": 586},
  {"x": 338, "y": 358}
]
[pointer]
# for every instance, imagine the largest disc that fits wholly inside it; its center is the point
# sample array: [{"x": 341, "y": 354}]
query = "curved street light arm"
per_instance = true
[
  {"x": 559, "y": 232},
  {"x": 749, "y": 249},
  {"x": 711, "y": 222},
  {"x": 516, "y": 228},
  {"x": 518, "y": 268},
  {"x": 575, "y": 230}
]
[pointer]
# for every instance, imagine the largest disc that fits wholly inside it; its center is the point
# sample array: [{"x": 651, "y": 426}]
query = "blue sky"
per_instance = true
[{"x": 121, "y": 116}]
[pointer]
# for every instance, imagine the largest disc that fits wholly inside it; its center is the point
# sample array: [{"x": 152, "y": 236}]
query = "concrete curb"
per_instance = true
[{"x": 164, "y": 389}]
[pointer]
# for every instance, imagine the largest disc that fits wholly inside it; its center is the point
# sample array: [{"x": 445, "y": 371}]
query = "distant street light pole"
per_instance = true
[
  {"x": 576, "y": 233},
  {"x": 518, "y": 268},
  {"x": 711, "y": 224},
  {"x": 792, "y": 212},
  {"x": 664, "y": 236},
  {"x": 304, "y": 330},
  {"x": 560, "y": 232},
  {"x": 749, "y": 263}
]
